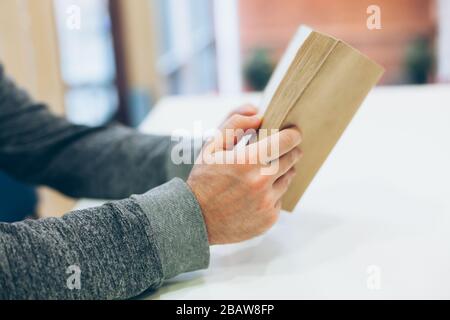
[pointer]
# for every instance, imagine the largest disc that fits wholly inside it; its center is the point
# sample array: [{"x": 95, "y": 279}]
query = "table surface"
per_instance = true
[{"x": 375, "y": 223}]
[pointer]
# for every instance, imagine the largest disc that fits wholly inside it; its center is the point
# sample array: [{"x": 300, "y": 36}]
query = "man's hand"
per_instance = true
[
  {"x": 245, "y": 110},
  {"x": 237, "y": 201}
]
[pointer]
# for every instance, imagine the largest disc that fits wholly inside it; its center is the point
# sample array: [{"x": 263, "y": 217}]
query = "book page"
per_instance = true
[
  {"x": 300, "y": 37},
  {"x": 325, "y": 109}
]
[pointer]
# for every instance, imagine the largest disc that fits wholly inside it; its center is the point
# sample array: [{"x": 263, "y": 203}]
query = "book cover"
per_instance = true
[{"x": 318, "y": 86}]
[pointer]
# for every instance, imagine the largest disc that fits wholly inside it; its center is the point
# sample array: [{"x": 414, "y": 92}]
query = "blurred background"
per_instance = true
[{"x": 101, "y": 61}]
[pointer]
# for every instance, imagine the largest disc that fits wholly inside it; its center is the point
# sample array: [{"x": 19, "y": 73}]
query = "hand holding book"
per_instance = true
[{"x": 318, "y": 86}]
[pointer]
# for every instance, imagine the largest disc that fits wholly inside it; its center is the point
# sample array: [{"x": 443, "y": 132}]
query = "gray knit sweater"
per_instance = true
[{"x": 116, "y": 251}]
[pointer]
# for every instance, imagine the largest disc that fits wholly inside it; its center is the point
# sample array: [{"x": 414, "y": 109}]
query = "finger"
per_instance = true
[
  {"x": 232, "y": 132},
  {"x": 275, "y": 146},
  {"x": 287, "y": 162},
  {"x": 245, "y": 110},
  {"x": 278, "y": 207},
  {"x": 281, "y": 186}
]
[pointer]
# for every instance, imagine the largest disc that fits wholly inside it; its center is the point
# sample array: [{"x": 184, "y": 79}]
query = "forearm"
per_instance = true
[
  {"x": 121, "y": 249},
  {"x": 110, "y": 162}
]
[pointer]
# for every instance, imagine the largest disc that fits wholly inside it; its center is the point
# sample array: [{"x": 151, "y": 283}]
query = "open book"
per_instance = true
[{"x": 318, "y": 86}]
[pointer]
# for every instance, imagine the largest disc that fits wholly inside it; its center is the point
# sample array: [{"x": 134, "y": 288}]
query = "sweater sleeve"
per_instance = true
[
  {"x": 108, "y": 162},
  {"x": 116, "y": 251}
]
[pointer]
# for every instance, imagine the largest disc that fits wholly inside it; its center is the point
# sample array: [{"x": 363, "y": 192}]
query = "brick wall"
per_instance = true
[{"x": 271, "y": 24}]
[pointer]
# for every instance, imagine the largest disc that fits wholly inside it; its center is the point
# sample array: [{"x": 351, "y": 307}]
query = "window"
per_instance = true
[
  {"x": 187, "y": 57},
  {"x": 87, "y": 61}
]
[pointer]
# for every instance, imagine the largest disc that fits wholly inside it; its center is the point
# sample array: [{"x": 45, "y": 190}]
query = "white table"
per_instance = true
[{"x": 375, "y": 223}]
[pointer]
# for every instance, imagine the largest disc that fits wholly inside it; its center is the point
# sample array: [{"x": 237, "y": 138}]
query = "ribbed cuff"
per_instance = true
[{"x": 178, "y": 227}]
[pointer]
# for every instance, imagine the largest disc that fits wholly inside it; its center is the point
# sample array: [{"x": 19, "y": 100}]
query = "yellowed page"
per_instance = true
[{"x": 326, "y": 108}]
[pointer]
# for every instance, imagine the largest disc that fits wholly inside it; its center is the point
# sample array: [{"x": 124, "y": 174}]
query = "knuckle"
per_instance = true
[
  {"x": 291, "y": 137},
  {"x": 260, "y": 182},
  {"x": 287, "y": 139},
  {"x": 236, "y": 119},
  {"x": 272, "y": 219},
  {"x": 285, "y": 182},
  {"x": 267, "y": 203},
  {"x": 292, "y": 173},
  {"x": 278, "y": 208},
  {"x": 298, "y": 136},
  {"x": 294, "y": 155}
]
